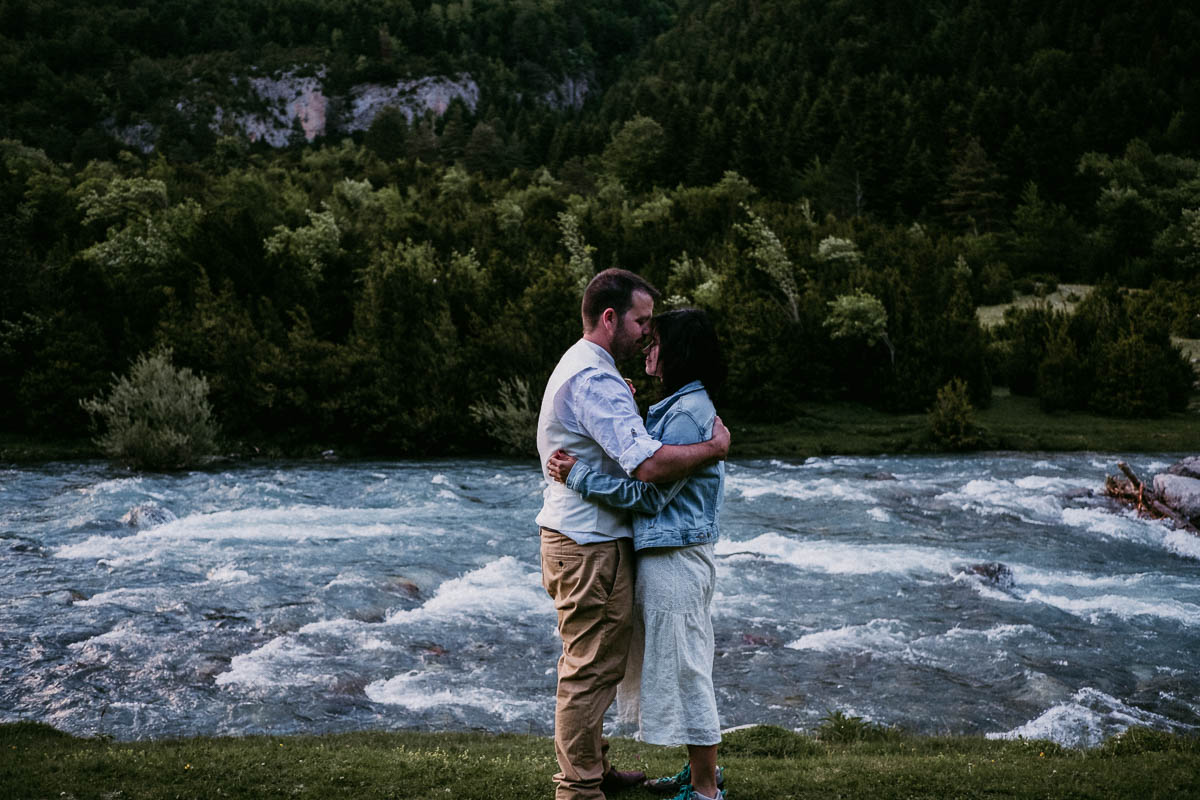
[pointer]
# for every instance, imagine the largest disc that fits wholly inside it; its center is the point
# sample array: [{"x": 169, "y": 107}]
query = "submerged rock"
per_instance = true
[
  {"x": 759, "y": 640},
  {"x": 66, "y": 597},
  {"x": 148, "y": 515},
  {"x": 995, "y": 573},
  {"x": 402, "y": 585}
]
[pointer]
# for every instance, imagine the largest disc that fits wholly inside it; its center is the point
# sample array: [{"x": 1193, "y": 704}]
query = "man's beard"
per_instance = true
[{"x": 625, "y": 346}]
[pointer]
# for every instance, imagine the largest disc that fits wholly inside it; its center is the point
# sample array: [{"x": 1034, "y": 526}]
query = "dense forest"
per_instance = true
[{"x": 840, "y": 183}]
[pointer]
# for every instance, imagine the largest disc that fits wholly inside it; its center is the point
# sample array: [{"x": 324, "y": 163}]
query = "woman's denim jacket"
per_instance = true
[{"x": 668, "y": 515}]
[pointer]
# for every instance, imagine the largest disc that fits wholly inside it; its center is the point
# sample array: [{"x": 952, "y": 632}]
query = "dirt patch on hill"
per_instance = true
[{"x": 1064, "y": 298}]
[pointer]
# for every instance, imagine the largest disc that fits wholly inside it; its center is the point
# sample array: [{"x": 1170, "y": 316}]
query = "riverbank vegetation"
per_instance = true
[
  {"x": 1009, "y": 422},
  {"x": 842, "y": 759},
  {"x": 840, "y": 203}
]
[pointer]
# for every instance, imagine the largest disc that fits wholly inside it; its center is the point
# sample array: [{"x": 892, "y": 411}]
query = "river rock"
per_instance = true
[
  {"x": 1180, "y": 493},
  {"x": 759, "y": 640},
  {"x": 65, "y": 597},
  {"x": 1188, "y": 468},
  {"x": 401, "y": 585},
  {"x": 995, "y": 573},
  {"x": 148, "y": 515}
]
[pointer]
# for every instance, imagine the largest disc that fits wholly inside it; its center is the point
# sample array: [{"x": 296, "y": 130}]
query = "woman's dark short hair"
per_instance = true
[
  {"x": 612, "y": 288},
  {"x": 688, "y": 350}
]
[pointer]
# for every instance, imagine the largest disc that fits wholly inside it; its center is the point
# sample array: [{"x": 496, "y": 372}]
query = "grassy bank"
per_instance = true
[
  {"x": 1010, "y": 423},
  {"x": 21, "y": 449},
  {"x": 38, "y": 762}
]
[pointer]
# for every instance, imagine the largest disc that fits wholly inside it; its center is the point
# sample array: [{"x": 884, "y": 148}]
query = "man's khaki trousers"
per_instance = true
[{"x": 592, "y": 589}]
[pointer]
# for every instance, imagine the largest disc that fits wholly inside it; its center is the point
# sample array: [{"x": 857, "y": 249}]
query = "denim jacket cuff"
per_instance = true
[{"x": 578, "y": 472}]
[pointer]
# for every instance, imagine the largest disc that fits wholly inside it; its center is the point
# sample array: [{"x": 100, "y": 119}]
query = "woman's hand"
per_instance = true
[{"x": 559, "y": 465}]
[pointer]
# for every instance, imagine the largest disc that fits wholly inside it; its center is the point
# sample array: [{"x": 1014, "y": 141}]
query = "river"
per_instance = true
[{"x": 990, "y": 594}]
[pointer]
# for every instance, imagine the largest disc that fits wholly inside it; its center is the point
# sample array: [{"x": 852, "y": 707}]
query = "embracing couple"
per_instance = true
[{"x": 628, "y": 525}]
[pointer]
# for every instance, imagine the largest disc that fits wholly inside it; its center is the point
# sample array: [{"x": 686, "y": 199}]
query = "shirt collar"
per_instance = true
[{"x": 600, "y": 351}]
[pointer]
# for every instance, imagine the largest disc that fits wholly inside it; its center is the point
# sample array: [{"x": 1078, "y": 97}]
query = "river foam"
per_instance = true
[
  {"x": 502, "y": 588},
  {"x": 422, "y": 691},
  {"x": 1086, "y": 720},
  {"x": 939, "y": 594},
  {"x": 840, "y": 559}
]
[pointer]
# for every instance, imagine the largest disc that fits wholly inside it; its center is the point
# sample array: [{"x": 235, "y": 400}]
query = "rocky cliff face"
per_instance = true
[{"x": 289, "y": 98}]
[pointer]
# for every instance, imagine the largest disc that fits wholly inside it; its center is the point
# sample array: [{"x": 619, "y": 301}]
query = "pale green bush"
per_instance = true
[
  {"x": 156, "y": 417},
  {"x": 580, "y": 266},
  {"x": 512, "y": 421},
  {"x": 952, "y": 418},
  {"x": 859, "y": 316},
  {"x": 769, "y": 255}
]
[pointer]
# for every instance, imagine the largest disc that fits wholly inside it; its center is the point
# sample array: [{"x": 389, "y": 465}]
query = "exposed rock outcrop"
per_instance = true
[
  {"x": 571, "y": 93},
  {"x": 414, "y": 98},
  {"x": 295, "y": 103}
]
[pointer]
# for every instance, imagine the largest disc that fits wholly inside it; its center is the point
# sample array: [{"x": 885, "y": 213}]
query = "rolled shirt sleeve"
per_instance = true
[{"x": 605, "y": 411}]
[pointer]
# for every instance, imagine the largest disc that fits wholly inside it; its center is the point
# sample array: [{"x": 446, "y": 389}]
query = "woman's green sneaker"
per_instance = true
[
  {"x": 679, "y": 780},
  {"x": 688, "y": 793}
]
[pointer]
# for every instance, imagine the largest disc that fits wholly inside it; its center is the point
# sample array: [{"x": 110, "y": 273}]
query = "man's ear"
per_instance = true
[{"x": 609, "y": 318}]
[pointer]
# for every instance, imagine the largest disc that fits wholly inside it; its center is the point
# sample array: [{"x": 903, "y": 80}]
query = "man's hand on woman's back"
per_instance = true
[{"x": 720, "y": 439}]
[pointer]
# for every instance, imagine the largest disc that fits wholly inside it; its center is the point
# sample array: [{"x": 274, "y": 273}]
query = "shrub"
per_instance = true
[
  {"x": 995, "y": 285},
  {"x": 1021, "y": 346},
  {"x": 1062, "y": 381},
  {"x": 838, "y": 727},
  {"x": 513, "y": 420},
  {"x": 1137, "y": 740},
  {"x": 859, "y": 316},
  {"x": 156, "y": 417},
  {"x": 1044, "y": 285},
  {"x": 952, "y": 418},
  {"x": 768, "y": 740},
  {"x": 1132, "y": 378}
]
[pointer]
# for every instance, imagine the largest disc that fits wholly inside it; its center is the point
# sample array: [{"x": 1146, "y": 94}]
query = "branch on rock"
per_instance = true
[
  {"x": 1137, "y": 484},
  {"x": 1165, "y": 510},
  {"x": 1131, "y": 491}
]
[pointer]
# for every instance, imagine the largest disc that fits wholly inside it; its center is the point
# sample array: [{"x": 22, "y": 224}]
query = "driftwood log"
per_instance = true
[{"x": 1133, "y": 492}]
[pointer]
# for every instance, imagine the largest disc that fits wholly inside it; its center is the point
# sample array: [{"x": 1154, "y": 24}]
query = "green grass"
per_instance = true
[
  {"x": 764, "y": 762},
  {"x": 821, "y": 429},
  {"x": 20, "y": 449},
  {"x": 1010, "y": 423}
]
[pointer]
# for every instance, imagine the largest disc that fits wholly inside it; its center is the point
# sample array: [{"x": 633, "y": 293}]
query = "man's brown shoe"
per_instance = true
[{"x": 614, "y": 781}]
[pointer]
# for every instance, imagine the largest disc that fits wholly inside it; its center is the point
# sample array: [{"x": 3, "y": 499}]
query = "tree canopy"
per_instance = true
[{"x": 839, "y": 184}]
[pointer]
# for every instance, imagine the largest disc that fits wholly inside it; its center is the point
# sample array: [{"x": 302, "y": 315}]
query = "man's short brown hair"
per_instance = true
[{"x": 612, "y": 288}]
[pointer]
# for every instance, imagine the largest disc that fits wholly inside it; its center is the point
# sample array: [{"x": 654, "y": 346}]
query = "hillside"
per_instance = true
[{"x": 384, "y": 208}]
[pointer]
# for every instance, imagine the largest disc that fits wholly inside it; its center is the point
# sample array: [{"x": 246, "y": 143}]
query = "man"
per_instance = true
[{"x": 587, "y": 549}]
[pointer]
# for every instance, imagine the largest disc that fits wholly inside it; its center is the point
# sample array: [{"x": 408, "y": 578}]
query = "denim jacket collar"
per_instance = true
[{"x": 655, "y": 411}]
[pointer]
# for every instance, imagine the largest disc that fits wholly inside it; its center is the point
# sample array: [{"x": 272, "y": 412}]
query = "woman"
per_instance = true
[{"x": 674, "y": 531}]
